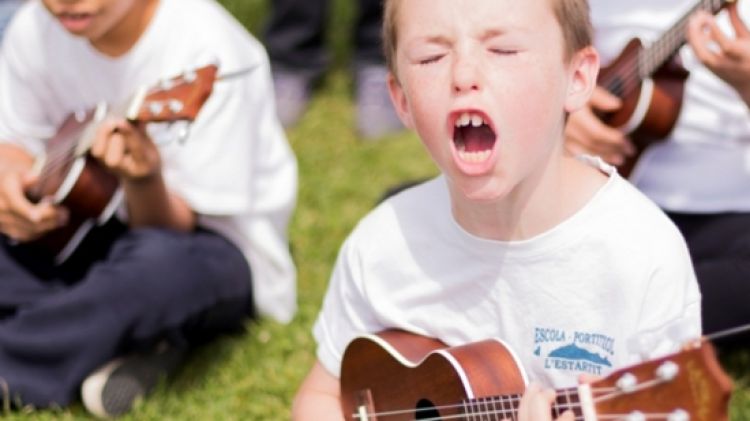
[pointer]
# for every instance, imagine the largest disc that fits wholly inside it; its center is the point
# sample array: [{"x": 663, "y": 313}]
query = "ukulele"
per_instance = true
[
  {"x": 399, "y": 376},
  {"x": 69, "y": 176},
  {"x": 650, "y": 81}
]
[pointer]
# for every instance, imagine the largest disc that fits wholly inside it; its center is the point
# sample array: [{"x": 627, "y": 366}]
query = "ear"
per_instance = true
[
  {"x": 584, "y": 69},
  {"x": 400, "y": 101}
]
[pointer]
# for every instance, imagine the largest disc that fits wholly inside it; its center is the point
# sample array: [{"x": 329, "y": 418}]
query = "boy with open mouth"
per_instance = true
[{"x": 556, "y": 255}]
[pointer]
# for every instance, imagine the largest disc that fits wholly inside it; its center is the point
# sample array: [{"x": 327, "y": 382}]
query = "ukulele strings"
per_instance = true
[
  {"x": 652, "y": 57},
  {"x": 510, "y": 413},
  {"x": 60, "y": 157}
]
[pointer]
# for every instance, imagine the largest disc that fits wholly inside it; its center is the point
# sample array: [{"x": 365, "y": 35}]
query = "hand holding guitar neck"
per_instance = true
[
  {"x": 535, "y": 406},
  {"x": 731, "y": 61},
  {"x": 126, "y": 150}
]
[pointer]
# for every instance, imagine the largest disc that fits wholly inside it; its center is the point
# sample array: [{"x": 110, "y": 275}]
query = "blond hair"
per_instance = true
[{"x": 572, "y": 15}]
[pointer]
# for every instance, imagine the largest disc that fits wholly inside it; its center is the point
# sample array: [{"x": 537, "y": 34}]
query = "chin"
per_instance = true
[{"x": 481, "y": 190}]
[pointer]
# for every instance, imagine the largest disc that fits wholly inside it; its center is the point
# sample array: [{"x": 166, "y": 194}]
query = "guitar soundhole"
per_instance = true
[
  {"x": 616, "y": 87},
  {"x": 426, "y": 411}
]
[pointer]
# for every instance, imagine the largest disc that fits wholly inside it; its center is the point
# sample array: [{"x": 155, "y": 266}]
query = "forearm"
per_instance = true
[
  {"x": 312, "y": 405},
  {"x": 14, "y": 158},
  {"x": 150, "y": 203},
  {"x": 318, "y": 397}
]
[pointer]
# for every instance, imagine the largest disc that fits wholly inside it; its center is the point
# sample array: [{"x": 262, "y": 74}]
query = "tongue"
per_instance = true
[{"x": 477, "y": 139}]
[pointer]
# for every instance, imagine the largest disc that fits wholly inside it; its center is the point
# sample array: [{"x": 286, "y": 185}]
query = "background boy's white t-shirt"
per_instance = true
[
  {"x": 704, "y": 165},
  {"x": 236, "y": 169},
  {"x": 609, "y": 286}
]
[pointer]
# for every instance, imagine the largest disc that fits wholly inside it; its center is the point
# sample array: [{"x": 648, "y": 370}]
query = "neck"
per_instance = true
[
  {"x": 534, "y": 206},
  {"x": 126, "y": 33}
]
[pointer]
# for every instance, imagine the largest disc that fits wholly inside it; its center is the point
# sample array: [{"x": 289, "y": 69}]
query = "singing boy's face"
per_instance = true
[
  {"x": 486, "y": 86},
  {"x": 112, "y": 26}
]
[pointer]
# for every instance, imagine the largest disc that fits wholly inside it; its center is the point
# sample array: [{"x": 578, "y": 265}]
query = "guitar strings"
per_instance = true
[
  {"x": 60, "y": 157},
  {"x": 509, "y": 413},
  {"x": 651, "y": 58}
]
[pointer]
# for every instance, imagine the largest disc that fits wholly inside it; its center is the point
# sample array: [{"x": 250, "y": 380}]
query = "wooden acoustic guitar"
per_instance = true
[
  {"x": 399, "y": 376},
  {"x": 650, "y": 81},
  {"x": 69, "y": 176}
]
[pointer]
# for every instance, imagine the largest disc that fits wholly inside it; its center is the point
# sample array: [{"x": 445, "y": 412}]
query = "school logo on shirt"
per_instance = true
[{"x": 573, "y": 351}]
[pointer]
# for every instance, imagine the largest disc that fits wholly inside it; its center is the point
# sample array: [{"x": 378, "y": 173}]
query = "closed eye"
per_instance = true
[
  {"x": 430, "y": 59},
  {"x": 503, "y": 51}
]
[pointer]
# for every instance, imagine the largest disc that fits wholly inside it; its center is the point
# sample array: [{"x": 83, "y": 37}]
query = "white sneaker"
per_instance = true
[{"x": 113, "y": 389}]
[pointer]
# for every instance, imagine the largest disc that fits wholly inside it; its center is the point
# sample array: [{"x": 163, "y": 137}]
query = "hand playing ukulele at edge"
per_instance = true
[
  {"x": 585, "y": 133},
  {"x": 20, "y": 219},
  {"x": 536, "y": 405},
  {"x": 126, "y": 150},
  {"x": 728, "y": 58}
]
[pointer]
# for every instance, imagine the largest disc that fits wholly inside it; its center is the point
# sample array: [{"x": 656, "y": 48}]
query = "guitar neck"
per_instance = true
[
  {"x": 662, "y": 50},
  {"x": 506, "y": 406}
]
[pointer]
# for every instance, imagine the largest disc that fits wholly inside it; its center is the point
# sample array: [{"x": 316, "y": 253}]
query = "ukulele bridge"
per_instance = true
[{"x": 365, "y": 408}]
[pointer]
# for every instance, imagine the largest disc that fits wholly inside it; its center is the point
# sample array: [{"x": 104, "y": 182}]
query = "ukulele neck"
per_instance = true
[
  {"x": 662, "y": 50},
  {"x": 506, "y": 406}
]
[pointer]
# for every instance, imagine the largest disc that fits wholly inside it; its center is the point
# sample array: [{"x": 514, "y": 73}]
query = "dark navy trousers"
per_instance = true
[
  {"x": 122, "y": 291},
  {"x": 295, "y": 36},
  {"x": 720, "y": 248}
]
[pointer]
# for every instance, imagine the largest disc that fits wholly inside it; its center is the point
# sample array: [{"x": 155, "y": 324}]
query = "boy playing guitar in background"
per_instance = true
[
  {"x": 198, "y": 241},
  {"x": 699, "y": 172}
]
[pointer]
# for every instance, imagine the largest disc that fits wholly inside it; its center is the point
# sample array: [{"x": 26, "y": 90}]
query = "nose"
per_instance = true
[{"x": 466, "y": 73}]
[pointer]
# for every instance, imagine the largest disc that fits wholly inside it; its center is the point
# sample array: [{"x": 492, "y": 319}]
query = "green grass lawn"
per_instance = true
[{"x": 254, "y": 376}]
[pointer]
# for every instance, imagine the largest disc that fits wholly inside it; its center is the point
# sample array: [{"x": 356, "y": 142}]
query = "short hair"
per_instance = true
[{"x": 572, "y": 15}]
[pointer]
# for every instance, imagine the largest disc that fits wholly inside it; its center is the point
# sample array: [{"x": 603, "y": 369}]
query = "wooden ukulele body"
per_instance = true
[
  {"x": 68, "y": 175},
  {"x": 422, "y": 377},
  {"x": 78, "y": 182},
  {"x": 396, "y": 375},
  {"x": 650, "y": 105}
]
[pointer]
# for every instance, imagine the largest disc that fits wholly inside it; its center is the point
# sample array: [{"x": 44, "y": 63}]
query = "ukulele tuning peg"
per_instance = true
[
  {"x": 190, "y": 76},
  {"x": 635, "y": 416},
  {"x": 678, "y": 415},
  {"x": 627, "y": 383},
  {"x": 176, "y": 106},
  {"x": 667, "y": 371},
  {"x": 166, "y": 84},
  {"x": 155, "y": 108}
]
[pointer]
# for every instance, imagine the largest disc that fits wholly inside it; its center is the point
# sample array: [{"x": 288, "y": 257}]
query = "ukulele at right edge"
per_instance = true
[{"x": 650, "y": 82}]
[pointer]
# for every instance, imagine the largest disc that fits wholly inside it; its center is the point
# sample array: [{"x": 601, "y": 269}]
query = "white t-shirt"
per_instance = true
[
  {"x": 704, "y": 165},
  {"x": 236, "y": 169},
  {"x": 609, "y": 286}
]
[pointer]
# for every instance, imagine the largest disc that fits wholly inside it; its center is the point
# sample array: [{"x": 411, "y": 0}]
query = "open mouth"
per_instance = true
[{"x": 473, "y": 138}]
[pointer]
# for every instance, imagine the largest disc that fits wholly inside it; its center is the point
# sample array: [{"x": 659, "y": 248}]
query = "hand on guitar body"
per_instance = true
[
  {"x": 20, "y": 219},
  {"x": 585, "y": 133},
  {"x": 727, "y": 57}
]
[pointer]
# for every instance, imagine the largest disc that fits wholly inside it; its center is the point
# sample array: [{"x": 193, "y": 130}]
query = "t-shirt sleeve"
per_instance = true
[
  {"x": 671, "y": 310},
  {"x": 235, "y": 143},
  {"x": 346, "y": 312}
]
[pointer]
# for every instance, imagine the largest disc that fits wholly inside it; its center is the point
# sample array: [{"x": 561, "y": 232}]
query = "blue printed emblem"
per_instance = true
[{"x": 581, "y": 352}]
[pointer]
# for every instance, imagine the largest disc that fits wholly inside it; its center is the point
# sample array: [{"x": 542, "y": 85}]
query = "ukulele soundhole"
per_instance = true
[
  {"x": 426, "y": 411},
  {"x": 617, "y": 87}
]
